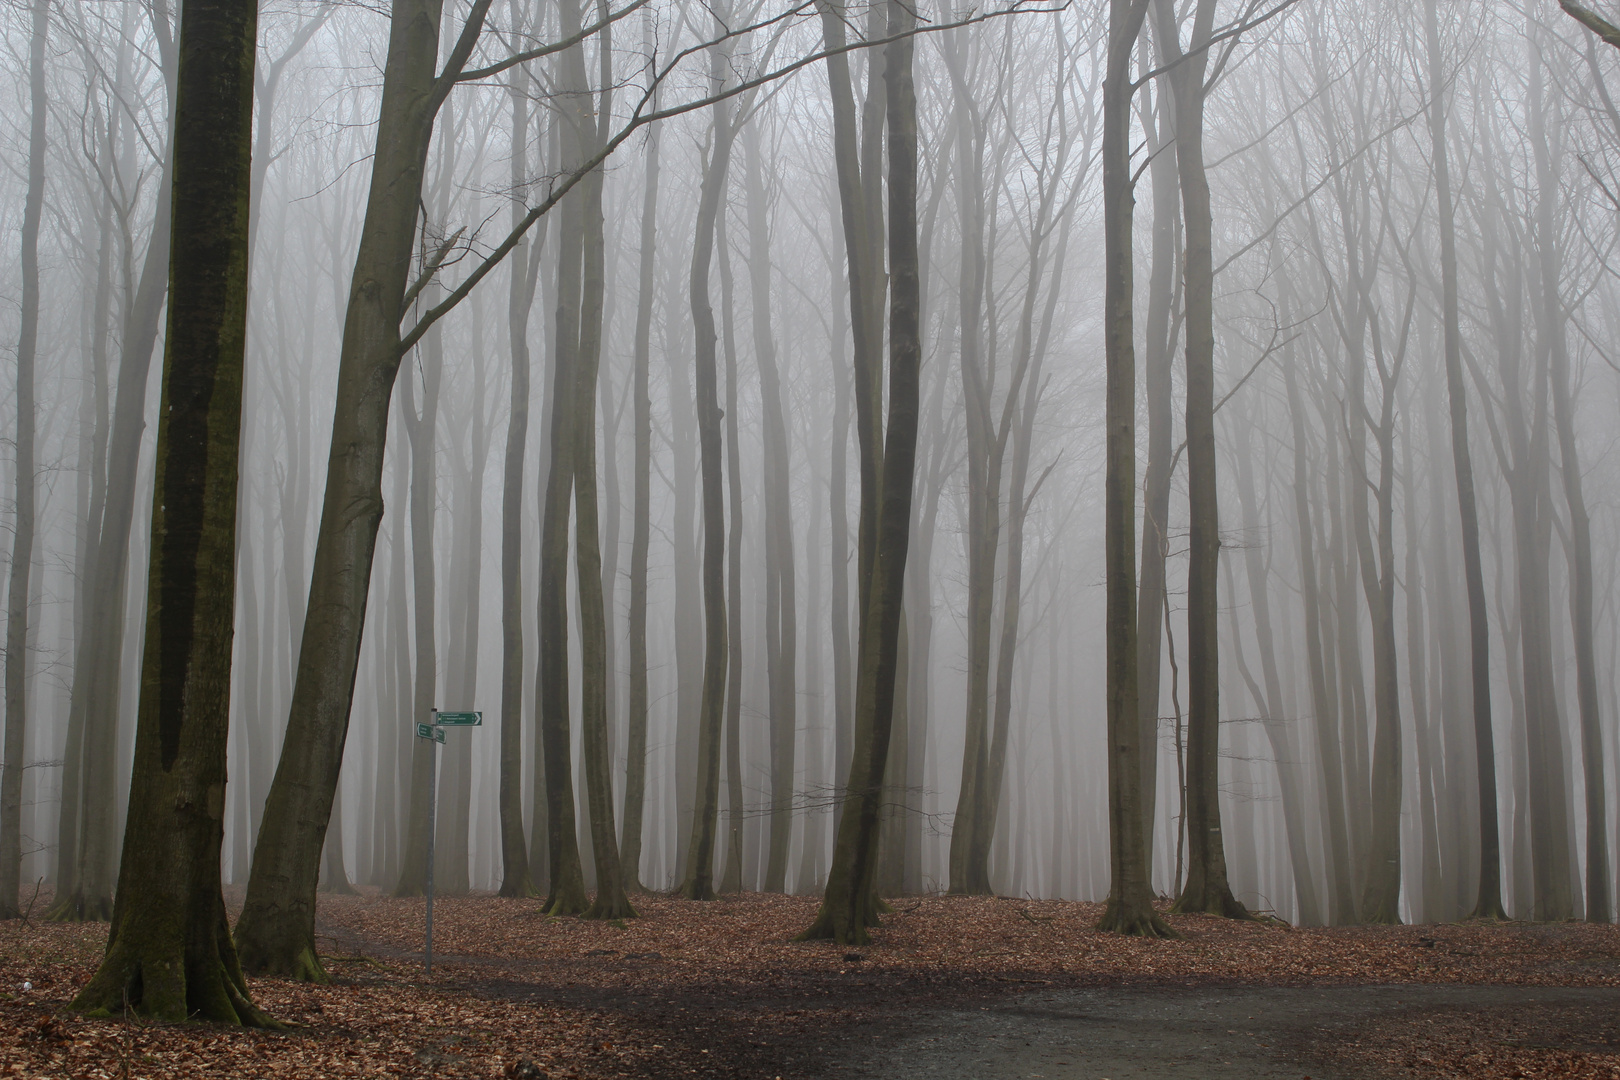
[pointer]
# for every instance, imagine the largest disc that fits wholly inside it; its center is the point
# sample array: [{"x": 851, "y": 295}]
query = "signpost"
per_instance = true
[{"x": 434, "y": 732}]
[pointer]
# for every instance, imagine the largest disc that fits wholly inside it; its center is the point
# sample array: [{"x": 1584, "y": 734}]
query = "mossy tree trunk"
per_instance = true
[{"x": 170, "y": 954}]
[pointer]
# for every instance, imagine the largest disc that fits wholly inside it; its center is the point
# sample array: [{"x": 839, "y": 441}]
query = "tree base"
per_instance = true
[
  {"x": 284, "y": 951},
  {"x": 609, "y": 907},
  {"x": 172, "y": 970},
  {"x": 1211, "y": 902},
  {"x": 569, "y": 901},
  {"x": 78, "y": 906},
  {"x": 1134, "y": 920},
  {"x": 693, "y": 891},
  {"x": 837, "y": 922}
]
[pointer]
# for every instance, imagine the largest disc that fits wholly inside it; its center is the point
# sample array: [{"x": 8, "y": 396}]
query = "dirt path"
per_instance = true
[
  {"x": 811, "y": 1019},
  {"x": 1227, "y": 1034}
]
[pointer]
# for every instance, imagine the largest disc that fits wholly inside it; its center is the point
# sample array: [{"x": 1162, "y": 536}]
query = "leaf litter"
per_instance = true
[{"x": 720, "y": 989}]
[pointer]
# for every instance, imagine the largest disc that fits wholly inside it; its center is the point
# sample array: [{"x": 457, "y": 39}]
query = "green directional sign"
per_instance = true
[
  {"x": 424, "y": 731},
  {"x": 460, "y": 719}
]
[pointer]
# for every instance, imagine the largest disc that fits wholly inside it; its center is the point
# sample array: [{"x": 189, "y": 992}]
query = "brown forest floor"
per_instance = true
[{"x": 720, "y": 990}]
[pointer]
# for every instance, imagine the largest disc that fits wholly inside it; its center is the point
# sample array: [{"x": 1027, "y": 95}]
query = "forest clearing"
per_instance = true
[{"x": 719, "y": 990}]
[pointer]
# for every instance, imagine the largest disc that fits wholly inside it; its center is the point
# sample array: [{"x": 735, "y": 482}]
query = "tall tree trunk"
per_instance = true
[
  {"x": 1130, "y": 894},
  {"x": 782, "y": 615},
  {"x": 169, "y": 954},
  {"x": 1488, "y": 904},
  {"x": 589, "y": 118},
  {"x": 849, "y": 905},
  {"x": 22, "y": 532},
  {"x": 698, "y": 875},
  {"x": 1206, "y": 888},
  {"x": 421, "y": 430},
  {"x": 1158, "y": 365},
  {"x": 1545, "y": 143},
  {"x": 276, "y": 932},
  {"x": 516, "y": 879},
  {"x": 731, "y": 874},
  {"x": 635, "y": 781}
]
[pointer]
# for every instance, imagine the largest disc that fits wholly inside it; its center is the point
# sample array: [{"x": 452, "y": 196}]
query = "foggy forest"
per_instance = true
[{"x": 1159, "y": 454}]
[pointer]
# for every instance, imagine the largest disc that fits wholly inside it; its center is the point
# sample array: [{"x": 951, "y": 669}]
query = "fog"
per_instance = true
[{"x": 1341, "y": 142}]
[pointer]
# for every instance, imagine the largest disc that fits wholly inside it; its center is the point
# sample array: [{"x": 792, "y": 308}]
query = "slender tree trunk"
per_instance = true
[
  {"x": 1206, "y": 888},
  {"x": 516, "y": 878},
  {"x": 1544, "y": 141},
  {"x": 698, "y": 875},
  {"x": 276, "y": 930},
  {"x": 635, "y": 782},
  {"x": 731, "y": 875},
  {"x": 610, "y": 901},
  {"x": 1488, "y": 904},
  {"x": 782, "y": 618},
  {"x": 1130, "y": 894},
  {"x": 1158, "y": 365},
  {"x": 849, "y": 905},
  {"x": 22, "y": 534}
]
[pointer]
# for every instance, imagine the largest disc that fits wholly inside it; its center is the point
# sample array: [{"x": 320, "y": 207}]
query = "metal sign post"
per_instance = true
[
  {"x": 433, "y": 820},
  {"x": 434, "y": 733}
]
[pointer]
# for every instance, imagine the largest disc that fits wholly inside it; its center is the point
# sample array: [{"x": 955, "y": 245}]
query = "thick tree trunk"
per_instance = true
[{"x": 169, "y": 954}]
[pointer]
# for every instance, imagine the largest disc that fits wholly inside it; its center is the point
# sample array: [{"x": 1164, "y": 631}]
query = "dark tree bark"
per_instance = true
[
  {"x": 1206, "y": 888},
  {"x": 588, "y": 116},
  {"x": 849, "y": 906},
  {"x": 276, "y": 932},
  {"x": 22, "y": 534},
  {"x": 516, "y": 879},
  {"x": 698, "y": 875},
  {"x": 1130, "y": 894},
  {"x": 169, "y": 954}
]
